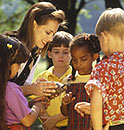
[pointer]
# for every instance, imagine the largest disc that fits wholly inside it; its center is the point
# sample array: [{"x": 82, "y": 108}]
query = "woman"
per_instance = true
[{"x": 36, "y": 31}]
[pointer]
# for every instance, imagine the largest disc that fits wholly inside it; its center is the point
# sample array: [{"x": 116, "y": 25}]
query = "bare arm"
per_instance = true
[
  {"x": 30, "y": 118},
  {"x": 64, "y": 109},
  {"x": 49, "y": 122},
  {"x": 59, "y": 117},
  {"x": 43, "y": 88},
  {"x": 96, "y": 109}
]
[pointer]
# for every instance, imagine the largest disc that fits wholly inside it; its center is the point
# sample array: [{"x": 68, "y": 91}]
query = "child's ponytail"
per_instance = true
[
  {"x": 73, "y": 73},
  {"x": 94, "y": 45}
]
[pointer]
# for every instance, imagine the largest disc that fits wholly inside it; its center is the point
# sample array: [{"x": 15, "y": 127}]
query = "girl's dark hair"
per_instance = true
[
  {"x": 60, "y": 38},
  {"x": 85, "y": 40},
  {"x": 11, "y": 51}
]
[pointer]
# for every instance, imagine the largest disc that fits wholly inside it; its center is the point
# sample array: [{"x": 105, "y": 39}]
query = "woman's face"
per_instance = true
[{"x": 44, "y": 33}]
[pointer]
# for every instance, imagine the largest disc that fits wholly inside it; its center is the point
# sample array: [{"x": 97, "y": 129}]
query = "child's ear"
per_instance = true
[
  {"x": 49, "y": 54},
  {"x": 95, "y": 56},
  {"x": 105, "y": 36}
]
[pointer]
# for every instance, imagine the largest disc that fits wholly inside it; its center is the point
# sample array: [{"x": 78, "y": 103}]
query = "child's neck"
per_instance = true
[
  {"x": 59, "y": 71},
  {"x": 116, "y": 45}
]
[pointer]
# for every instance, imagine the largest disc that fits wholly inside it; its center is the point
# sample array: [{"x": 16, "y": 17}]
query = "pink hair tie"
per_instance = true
[{"x": 87, "y": 37}]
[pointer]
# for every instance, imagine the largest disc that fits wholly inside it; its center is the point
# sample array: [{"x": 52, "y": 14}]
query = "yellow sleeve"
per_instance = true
[{"x": 43, "y": 74}]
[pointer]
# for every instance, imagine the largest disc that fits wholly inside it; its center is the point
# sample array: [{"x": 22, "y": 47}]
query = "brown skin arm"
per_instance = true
[{"x": 67, "y": 99}]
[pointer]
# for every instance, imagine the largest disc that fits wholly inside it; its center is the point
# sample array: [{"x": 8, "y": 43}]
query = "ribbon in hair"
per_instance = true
[{"x": 45, "y": 12}]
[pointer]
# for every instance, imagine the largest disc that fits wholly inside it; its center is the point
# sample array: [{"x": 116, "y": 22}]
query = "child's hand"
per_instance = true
[
  {"x": 107, "y": 126},
  {"x": 48, "y": 122},
  {"x": 68, "y": 98},
  {"x": 33, "y": 101},
  {"x": 82, "y": 107},
  {"x": 45, "y": 101}
]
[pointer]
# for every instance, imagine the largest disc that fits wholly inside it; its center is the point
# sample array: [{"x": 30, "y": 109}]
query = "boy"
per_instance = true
[
  {"x": 105, "y": 86},
  {"x": 59, "y": 52}
]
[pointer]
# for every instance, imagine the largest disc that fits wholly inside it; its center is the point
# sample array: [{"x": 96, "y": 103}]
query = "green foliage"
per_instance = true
[
  {"x": 96, "y": 7},
  {"x": 86, "y": 13},
  {"x": 78, "y": 29},
  {"x": 11, "y": 14}
]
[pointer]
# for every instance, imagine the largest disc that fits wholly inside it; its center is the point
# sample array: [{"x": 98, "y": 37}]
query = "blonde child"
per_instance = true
[
  {"x": 14, "y": 110},
  {"x": 59, "y": 53},
  {"x": 105, "y": 86},
  {"x": 84, "y": 50}
]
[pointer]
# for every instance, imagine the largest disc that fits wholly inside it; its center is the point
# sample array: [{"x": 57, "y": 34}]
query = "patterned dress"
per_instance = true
[
  {"x": 75, "y": 121},
  {"x": 108, "y": 77}
]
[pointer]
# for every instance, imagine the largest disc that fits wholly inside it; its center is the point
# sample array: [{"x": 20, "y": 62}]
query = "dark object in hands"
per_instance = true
[{"x": 61, "y": 88}]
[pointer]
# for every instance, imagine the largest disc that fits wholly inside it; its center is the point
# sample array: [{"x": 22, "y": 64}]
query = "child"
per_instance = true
[
  {"x": 14, "y": 110},
  {"x": 105, "y": 86},
  {"x": 84, "y": 107},
  {"x": 84, "y": 50},
  {"x": 59, "y": 52}
]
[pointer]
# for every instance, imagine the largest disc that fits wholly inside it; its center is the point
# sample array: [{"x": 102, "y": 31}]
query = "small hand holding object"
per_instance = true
[
  {"x": 61, "y": 88},
  {"x": 68, "y": 98}
]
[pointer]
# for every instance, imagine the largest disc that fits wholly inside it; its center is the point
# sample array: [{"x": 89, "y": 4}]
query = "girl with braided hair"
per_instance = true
[{"x": 84, "y": 50}]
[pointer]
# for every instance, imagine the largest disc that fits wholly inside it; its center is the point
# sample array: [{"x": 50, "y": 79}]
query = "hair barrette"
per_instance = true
[{"x": 9, "y": 46}]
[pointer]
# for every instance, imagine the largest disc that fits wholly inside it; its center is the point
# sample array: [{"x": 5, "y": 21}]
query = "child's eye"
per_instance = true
[
  {"x": 66, "y": 52},
  {"x": 83, "y": 59},
  {"x": 56, "y": 52}
]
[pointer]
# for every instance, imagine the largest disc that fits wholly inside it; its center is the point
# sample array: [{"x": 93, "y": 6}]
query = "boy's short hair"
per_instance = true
[
  {"x": 60, "y": 38},
  {"x": 111, "y": 20}
]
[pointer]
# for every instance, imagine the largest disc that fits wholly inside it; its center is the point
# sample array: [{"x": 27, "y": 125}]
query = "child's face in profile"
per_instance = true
[
  {"x": 82, "y": 60},
  {"x": 60, "y": 56},
  {"x": 14, "y": 69}
]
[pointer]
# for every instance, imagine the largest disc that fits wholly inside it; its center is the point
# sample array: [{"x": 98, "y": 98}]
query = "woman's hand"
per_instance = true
[{"x": 44, "y": 88}]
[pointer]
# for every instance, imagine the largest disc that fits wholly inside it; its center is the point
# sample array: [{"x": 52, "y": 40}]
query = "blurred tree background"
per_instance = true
[
  {"x": 81, "y": 16},
  {"x": 12, "y": 11}
]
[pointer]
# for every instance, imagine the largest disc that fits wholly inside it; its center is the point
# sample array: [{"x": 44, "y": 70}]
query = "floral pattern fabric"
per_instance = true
[{"x": 108, "y": 77}]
